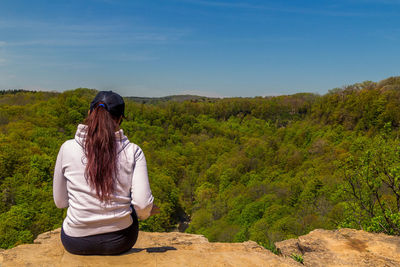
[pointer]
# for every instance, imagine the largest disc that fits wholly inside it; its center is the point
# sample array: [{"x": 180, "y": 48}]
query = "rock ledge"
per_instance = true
[
  {"x": 344, "y": 247},
  {"x": 151, "y": 249}
]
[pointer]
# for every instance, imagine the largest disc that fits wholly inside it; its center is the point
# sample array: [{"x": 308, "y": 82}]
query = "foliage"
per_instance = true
[
  {"x": 234, "y": 169},
  {"x": 372, "y": 180},
  {"x": 298, "y": 258}
]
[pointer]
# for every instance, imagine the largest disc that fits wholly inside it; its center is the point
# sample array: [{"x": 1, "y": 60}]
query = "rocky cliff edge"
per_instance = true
[{"x": 344, "y": 247}]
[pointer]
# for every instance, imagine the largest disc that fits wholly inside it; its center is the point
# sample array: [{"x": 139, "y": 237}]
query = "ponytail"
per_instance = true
[{"x": 101, "y": 152}]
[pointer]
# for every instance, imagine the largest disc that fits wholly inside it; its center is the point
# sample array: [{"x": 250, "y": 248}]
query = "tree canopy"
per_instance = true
[{"x": 232, "y": 169}]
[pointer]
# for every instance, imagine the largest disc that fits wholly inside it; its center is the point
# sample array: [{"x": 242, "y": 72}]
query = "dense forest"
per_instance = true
[{"x": 232, "y": 169}]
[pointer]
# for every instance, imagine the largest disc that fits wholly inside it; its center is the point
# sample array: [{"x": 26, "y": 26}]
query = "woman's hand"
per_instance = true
[{"x": 155, "y": 210}]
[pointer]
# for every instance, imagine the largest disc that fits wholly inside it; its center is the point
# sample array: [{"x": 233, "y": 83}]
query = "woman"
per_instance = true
[{"x": 99, "y": 175}]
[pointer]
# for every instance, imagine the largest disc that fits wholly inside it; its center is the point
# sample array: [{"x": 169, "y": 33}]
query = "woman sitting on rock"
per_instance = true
[{"x": 100, "y": 175}]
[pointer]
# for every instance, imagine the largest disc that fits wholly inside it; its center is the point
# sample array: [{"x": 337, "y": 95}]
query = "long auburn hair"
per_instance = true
[{"x": 101, "y": 152}]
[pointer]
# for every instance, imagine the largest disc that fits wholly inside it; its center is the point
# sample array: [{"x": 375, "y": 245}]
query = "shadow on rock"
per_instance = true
[{"x": 151, "y": 250}]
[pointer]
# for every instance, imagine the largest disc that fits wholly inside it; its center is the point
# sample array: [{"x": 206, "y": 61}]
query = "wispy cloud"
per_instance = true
[
  {"x": 93, "y": 40},
  {"x": 2, "y": 59},
  {"x": 6, "y": 78},
  {"x": 380, "y": 2},
  {"x": 38, "y": 33},
  {"x": 387, "y": 34},
  {"x": 225, "y": 4},
  {"x": 133, "y": 57},
  {"x": 297, "y": 10}
]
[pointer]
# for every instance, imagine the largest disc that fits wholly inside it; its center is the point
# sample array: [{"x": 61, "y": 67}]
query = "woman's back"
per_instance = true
[
  {"x": 86, "y": 214},
  {"x": 100, "y": 193}
]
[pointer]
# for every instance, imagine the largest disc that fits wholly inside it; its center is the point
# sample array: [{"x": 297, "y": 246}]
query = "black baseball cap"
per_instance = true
[{"x": 113, "y": 103}]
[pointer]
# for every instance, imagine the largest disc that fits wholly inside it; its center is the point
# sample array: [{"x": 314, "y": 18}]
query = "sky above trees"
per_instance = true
[{"x": 211, "y": 48}]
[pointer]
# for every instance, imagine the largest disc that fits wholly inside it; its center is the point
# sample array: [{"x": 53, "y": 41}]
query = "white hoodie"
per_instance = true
[{"x": 86, "y": 215}]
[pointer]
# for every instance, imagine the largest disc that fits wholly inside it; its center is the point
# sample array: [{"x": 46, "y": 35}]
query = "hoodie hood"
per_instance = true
[{"x": 80, "y": 135}]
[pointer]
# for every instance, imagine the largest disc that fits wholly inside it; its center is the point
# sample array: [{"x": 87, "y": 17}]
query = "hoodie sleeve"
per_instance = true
[
  {"x": 142, "y": 199},
  {"x": 60, "y": 193}
]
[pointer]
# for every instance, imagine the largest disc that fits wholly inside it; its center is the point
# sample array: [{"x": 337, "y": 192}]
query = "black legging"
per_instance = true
[{"x": 103, "y": 244}]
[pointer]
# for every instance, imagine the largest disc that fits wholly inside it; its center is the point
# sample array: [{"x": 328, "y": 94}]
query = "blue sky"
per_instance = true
[{"x": 204, "y": 47}]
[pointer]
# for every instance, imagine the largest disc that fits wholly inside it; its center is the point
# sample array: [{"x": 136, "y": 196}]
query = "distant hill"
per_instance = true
[
  {"x": 15, "y": 91},
  {"x": 138, "y": 99},
  {"x": 174, "y": 98}
]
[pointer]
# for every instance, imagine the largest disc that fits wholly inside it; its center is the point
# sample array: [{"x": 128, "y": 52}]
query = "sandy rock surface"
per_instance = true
[
  {"x": 344, "y": 247},
  {"x": 152, "y": 249}
]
